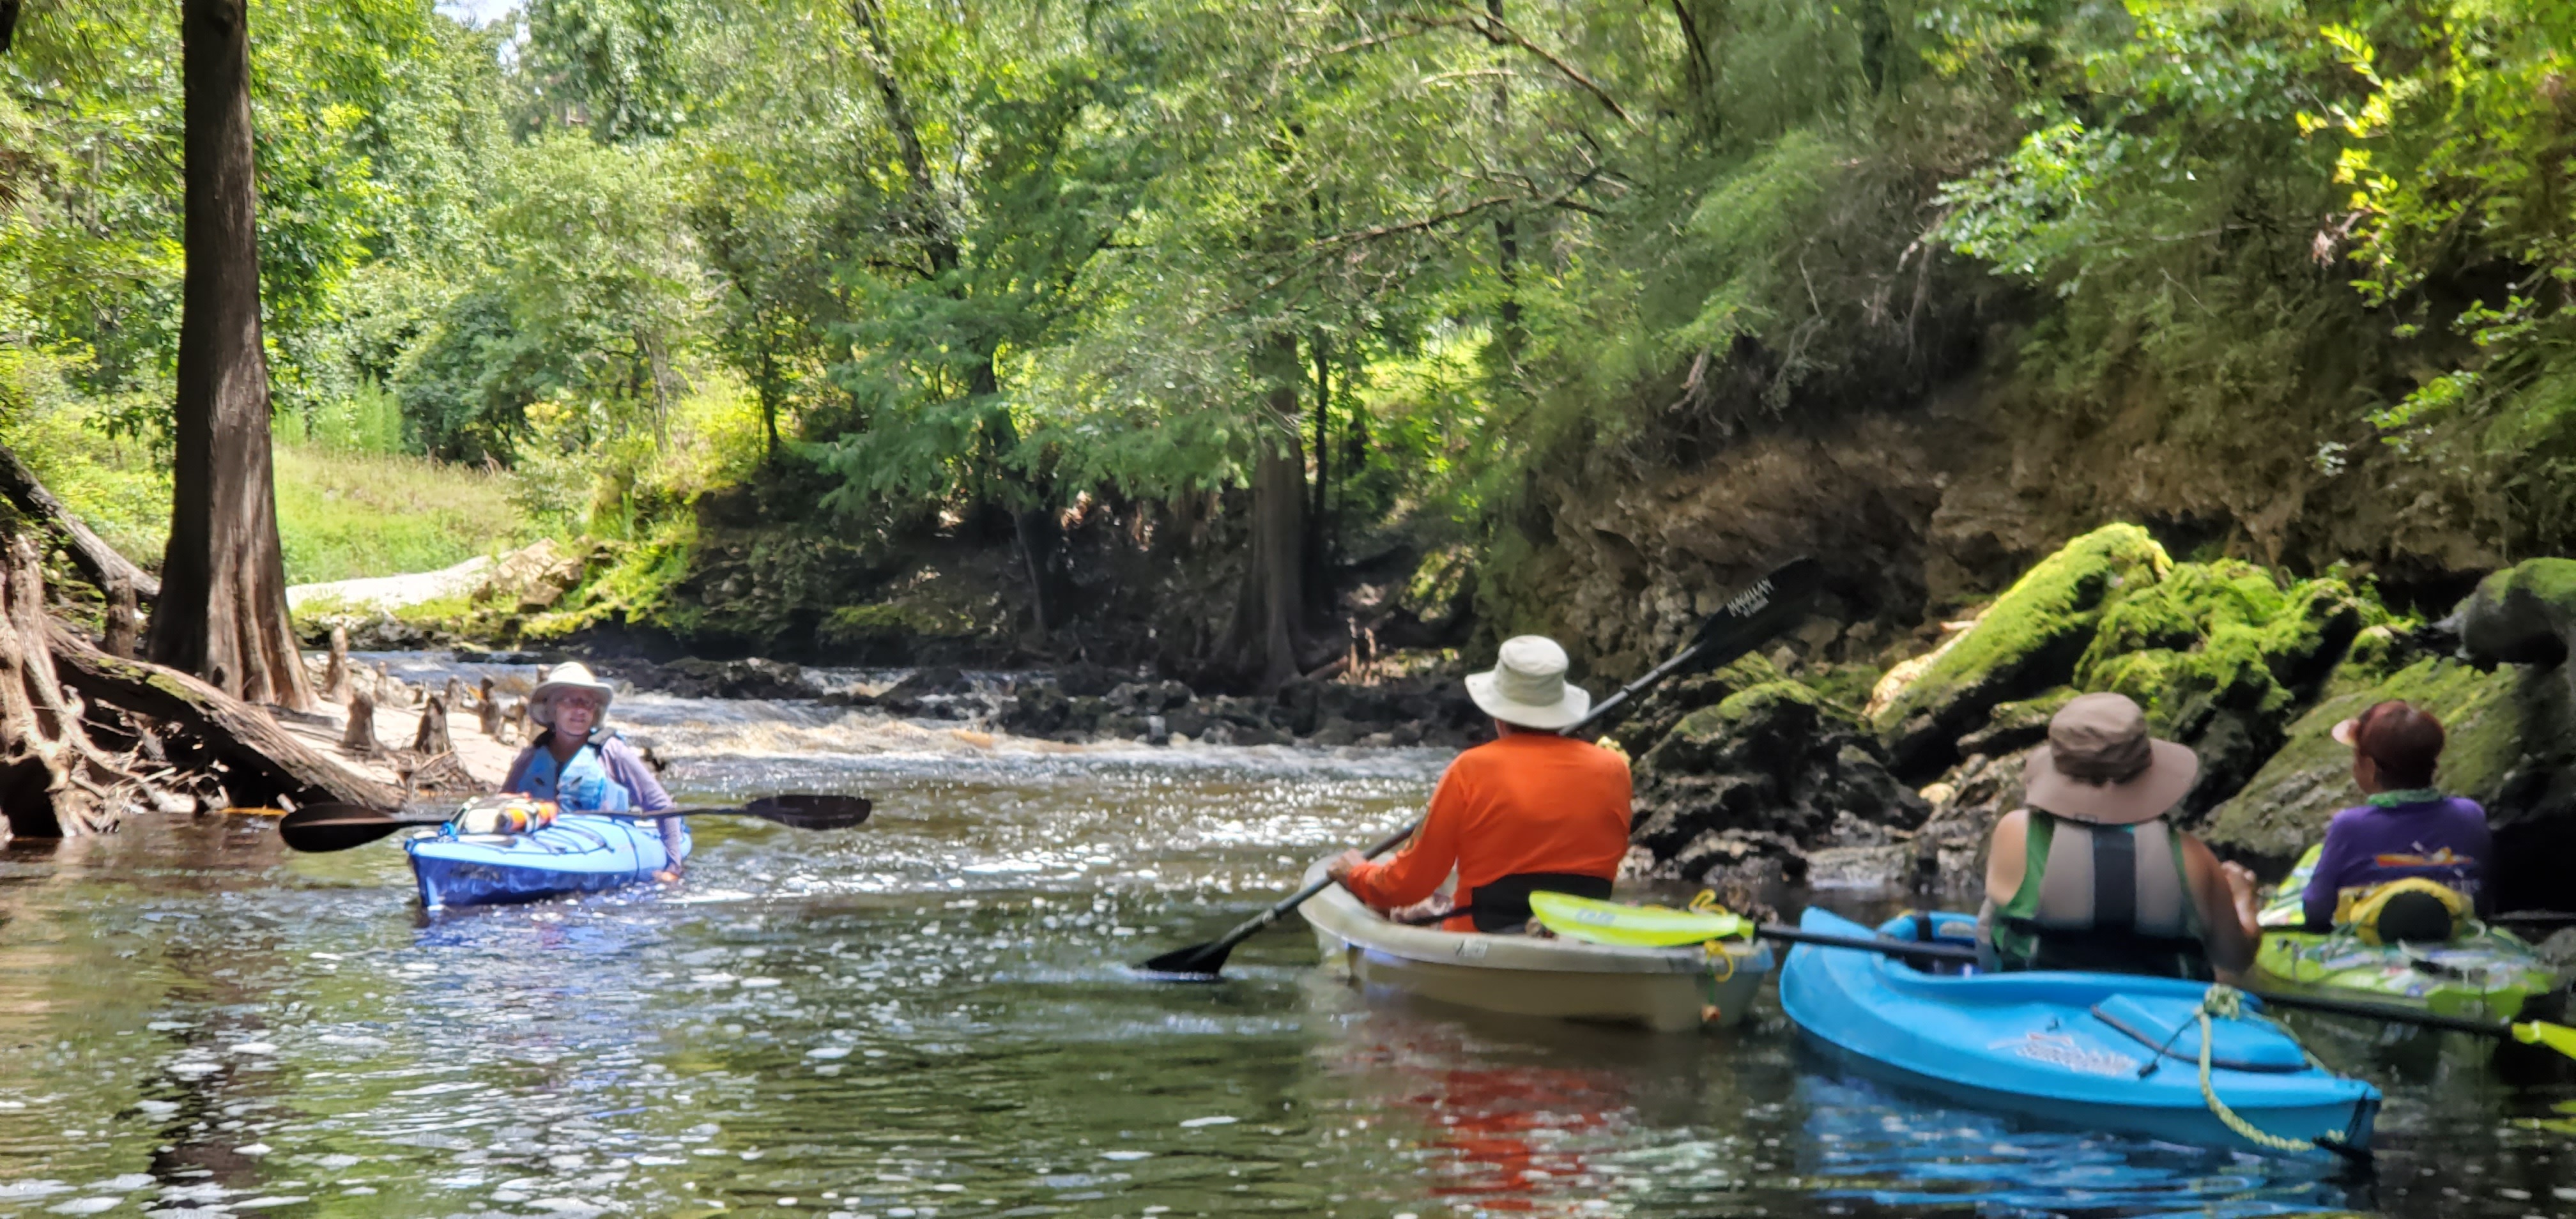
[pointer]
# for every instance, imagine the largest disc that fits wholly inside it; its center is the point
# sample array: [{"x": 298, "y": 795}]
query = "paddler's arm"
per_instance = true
[
  {"x": 1416, "y": 871},
  {"x": 2224, "y": 914},
  {"x": 629, "y": 770}
]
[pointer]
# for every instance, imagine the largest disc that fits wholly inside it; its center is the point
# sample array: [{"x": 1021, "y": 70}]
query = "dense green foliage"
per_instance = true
[{"x": 914, "y": 262}]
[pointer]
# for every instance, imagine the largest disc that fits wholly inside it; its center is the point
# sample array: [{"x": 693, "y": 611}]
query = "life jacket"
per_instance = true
[
  {"x": 2408, "y": 910},
  {"x": 578, "y": 785},
  {"x": 2106, "y": 898}
]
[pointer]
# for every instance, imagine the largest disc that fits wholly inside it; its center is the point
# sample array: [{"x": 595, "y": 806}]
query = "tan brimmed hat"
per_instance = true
[
  {"x": 1527, "y": 685},
  {"x": 2099, "y": 764},
  {"x": 563, "y": 679}
]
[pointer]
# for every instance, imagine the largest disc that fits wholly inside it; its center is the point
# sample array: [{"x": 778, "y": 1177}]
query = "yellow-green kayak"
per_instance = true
[{"x": 2485, "y": 971}]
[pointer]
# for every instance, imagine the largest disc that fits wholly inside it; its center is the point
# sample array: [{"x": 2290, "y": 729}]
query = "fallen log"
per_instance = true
[
  {"x": 95, "y": 558},
  {"x": 262, "y": 760}
]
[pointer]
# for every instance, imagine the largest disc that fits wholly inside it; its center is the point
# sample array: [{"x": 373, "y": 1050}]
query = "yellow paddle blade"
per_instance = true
[
  {"x": 2558, "y": 1037},
  {"x": 1599, "y": 922}
]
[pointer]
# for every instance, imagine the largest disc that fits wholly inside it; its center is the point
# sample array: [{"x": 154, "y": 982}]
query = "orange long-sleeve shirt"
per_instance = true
[{"x": 1524, "y": 802}]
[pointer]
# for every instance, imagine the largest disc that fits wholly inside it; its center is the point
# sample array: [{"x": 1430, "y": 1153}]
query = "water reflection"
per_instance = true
[{"x": 1879, "y": 1144}]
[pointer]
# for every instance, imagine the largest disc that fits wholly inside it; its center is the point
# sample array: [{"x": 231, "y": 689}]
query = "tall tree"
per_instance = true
[{"x": 222, "y": 612}]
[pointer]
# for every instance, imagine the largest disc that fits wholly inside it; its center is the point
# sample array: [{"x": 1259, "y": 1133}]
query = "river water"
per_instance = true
[{"x": 930, "y": 1017}]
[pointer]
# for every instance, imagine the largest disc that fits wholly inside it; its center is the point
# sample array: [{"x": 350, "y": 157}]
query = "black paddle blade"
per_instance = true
[
  {"x": 1773, "y": 604},
  {"x": 1196, "y": 963},
  {"x": 338, "y": 827},
  {"x": 811, "y": 812}
]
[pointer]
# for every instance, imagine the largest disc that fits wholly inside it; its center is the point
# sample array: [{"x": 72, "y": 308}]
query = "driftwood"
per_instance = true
[
  {"x": 262, "y": 761},
  {"x": 360, "y": 738},
  {"x": 95, "y": 559},
  {"x": 54, "y": 781},
  {"x": 432, "y": 739},
  {"x": 489, "y": 712}
]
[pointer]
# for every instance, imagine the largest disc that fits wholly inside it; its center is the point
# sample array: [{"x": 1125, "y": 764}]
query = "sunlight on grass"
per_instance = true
[{"x": 344, "y": 515}]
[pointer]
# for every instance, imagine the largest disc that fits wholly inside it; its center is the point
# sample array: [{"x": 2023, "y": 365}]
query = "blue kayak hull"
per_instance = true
[
  {"x": 2063, "y": 1048},
  {"x": 577, "y": 854}
]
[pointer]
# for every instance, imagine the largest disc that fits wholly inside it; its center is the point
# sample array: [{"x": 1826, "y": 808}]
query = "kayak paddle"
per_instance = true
[
  {"x": 338, "y": 827},
  {"x": 2558, "y": 1037},
  {"x": 1754, "y": 615}
]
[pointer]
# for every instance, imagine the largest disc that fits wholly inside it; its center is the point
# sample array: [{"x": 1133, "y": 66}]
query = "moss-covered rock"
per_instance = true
[
  {"x": 1770, "y": 769},
  {"x": 2026, "y": 643},
  {"x": 2525, "y": 614}
]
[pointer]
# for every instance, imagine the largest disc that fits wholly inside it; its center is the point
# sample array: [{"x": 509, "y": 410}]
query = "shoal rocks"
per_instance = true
[
  {"x": 751, "y": 678},
  {"x": 1415, "y": 711}
]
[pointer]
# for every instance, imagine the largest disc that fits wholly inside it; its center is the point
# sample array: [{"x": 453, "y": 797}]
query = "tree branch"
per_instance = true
[{"x": 1500, "y": 33}]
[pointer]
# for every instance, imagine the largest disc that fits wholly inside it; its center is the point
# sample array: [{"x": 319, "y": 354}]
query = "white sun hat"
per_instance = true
[
  {"x": 1527, "y": 685},
  {"x": 563, "y": 679}
]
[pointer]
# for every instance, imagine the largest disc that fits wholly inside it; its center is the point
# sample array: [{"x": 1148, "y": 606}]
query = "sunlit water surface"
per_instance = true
[{"x": 930, "y": 1016}]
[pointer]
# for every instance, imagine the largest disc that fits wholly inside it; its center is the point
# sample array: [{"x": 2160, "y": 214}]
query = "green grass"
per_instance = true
[{"x": 342, "y": 513}]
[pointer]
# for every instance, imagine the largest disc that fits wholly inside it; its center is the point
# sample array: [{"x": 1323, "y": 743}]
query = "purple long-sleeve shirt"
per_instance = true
[{"x": 2444, "y": 841}]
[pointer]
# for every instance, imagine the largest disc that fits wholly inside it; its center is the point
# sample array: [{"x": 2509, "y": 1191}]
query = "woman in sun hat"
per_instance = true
[
  {"x": 2089, "y": 875},
  {"x": 1529, "y": 811},
  {"x": 2404, "y": 829},
  {"x": 585, "y": 767}
]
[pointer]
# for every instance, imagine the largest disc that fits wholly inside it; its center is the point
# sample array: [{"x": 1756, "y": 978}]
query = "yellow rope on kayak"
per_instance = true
[{"x": 2227, "y": 1002}]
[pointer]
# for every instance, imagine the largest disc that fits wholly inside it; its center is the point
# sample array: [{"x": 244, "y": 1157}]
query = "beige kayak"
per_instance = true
[{"x": 1667, "y": 989}]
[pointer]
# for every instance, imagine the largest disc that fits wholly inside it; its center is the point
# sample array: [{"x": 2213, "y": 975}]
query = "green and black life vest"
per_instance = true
[{"x": 2110, "y": 898}]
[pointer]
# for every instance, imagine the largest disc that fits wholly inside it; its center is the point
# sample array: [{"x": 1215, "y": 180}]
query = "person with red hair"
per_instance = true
[{"x": 2405, "y": 827}]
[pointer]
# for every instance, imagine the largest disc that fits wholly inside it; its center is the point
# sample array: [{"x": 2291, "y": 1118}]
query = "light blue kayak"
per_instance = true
[
  {"x": 2106, "y": 1052},
  {"x": 577, "y": 854}
]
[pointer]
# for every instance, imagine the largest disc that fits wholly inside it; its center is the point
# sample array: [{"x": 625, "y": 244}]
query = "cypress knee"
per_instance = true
[
  {"x": 432, "y": 740},
  {"x": 335, "y": 676},
  {"x": 360, "y": 739}
]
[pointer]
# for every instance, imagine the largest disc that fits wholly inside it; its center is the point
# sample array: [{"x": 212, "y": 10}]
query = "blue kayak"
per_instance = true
[
  {"x": 577, "y": 854},
  {"x": 2069, "y": 1049}
]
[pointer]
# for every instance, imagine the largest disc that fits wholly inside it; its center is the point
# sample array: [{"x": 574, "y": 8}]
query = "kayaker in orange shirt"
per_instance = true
[{"x": 1529, "y": 811}]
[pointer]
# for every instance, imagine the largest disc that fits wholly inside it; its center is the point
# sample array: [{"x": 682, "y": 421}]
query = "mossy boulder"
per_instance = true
[
  {"x": 1771, "y": 768},
  {"x": 2525, "y": 614},
  {"x": 2221, "y": 657},
  {"x": 2026, "y": 643},
  {"x": 2507, "y": 711}
]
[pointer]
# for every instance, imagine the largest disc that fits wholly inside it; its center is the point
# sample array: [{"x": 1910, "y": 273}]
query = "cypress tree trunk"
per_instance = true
[
  {"x": 222, "y": 613},
  {"x": 1269, "y": 615}
]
